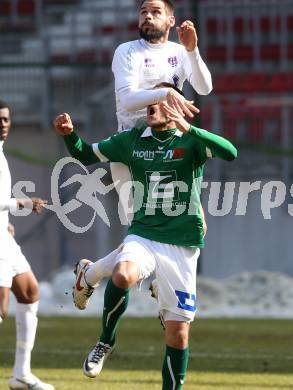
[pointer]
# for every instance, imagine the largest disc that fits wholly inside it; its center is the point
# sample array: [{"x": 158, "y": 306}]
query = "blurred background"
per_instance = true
[{"x": 56, "y": 57}]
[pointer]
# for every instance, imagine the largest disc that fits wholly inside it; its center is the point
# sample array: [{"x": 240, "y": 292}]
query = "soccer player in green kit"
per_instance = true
[{"x": 166, "y": 158}]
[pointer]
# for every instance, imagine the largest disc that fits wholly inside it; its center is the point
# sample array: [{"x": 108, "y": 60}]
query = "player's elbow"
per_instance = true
[{"x": 205, "y": 89}]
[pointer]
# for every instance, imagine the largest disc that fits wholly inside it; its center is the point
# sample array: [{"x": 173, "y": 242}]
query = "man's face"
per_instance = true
[
  {"x": 5, "y": 123},
  {"x": 155, "y": 21},
  {"x": 156, "y": 118}
]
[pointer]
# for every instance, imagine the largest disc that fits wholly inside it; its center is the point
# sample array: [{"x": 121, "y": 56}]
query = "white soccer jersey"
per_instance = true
[
  {"x": 139, "y": 65},
  {"x": 6, "y": 202}
]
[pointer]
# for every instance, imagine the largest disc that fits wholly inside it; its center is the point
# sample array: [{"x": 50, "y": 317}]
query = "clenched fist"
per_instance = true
[
  {"x": 63, "y": 124},
  {"x": 187, "y": 35}
]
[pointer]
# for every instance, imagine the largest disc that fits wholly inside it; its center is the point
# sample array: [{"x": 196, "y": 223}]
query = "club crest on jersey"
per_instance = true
[
  {"x": 173, "y": 61},
  {"x": 175, "y": 154},
  {"x": 149, "y": 63}
]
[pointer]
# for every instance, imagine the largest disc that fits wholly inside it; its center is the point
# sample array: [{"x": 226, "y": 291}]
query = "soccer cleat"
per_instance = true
[
  {"x": 29, "y": 383},
  {"x": 81, "y": 290},
  {"x": 95, "y": 360}
]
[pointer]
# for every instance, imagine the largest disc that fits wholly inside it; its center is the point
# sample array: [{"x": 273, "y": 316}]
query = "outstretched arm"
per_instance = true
[
  {"x": 75, "y": 145},
  {"x": 219, "y": 146},
  {"x": 115, "y": 148}
]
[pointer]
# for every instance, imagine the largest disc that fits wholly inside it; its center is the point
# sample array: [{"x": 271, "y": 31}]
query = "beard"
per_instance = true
[{"x": 152, "y": 34}]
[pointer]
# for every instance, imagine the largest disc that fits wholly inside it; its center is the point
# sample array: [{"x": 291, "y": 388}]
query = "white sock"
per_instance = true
[
  {"x": 26, "y": 326},
  {"x": 101, "y": 268}
]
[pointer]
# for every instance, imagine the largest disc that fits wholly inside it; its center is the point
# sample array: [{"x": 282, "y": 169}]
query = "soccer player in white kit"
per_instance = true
[
  {"x": 16, "y": 274},
  {"x": 138, "y": 66}
]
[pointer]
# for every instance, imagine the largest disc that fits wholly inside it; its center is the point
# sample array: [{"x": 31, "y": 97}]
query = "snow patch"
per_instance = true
[{"x": 255, "y": 295}]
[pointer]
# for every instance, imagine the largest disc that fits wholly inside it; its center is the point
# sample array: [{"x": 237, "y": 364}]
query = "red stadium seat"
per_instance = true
[
  {"x": 132, "y": 26},
  {"x": 238, "y": 25},
  {"x": 243, "y": 53},
  {"x": 228, "y": 83},
  {"x": 281, "y": 82},
  {"x": 290, "y": 22},
  {"x": 290, "y": 51},
  {"x": 260, "y": 119},
  {"x": 61, "y": 59},
  {"x": 217, "y": 53},
  {"x": 255, "y": 82},
  {"x": 212, "y": 25},
  {"x": 206, "y": 115},
  {"x": 5, "y": 7},
  {"x": 26, "y": 7},
  {"x": 108, "y": 29},
  {"x": 265, "y": 24},
  {"x": 86, "y": 56},
  {"x": 270, "y": 52}
]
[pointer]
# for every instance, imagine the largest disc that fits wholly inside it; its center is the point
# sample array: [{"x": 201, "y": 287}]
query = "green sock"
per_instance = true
[
  {"x": 174, "y": 368},
  {"x": 115, "y": 304}
]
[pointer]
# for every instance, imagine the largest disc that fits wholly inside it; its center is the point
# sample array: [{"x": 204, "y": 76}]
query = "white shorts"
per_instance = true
[
  {"x": 12, "y": 260},
  {"x": 174, "y": 268}
]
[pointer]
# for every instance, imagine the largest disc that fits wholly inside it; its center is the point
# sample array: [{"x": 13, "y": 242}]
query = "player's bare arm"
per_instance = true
[
  {"x": 187, "y": 35},
  {"x": 63, "y": 124}
]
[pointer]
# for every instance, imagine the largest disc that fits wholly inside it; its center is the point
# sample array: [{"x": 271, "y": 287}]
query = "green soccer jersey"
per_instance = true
[{"x": 167, "y": 169}]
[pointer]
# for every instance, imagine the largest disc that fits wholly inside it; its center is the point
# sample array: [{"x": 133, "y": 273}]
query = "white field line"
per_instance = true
[{"x": 227, "y": 355}]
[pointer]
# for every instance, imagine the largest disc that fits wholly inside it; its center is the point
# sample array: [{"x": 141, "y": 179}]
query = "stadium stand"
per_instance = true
[{"x": 241, "y": 44}]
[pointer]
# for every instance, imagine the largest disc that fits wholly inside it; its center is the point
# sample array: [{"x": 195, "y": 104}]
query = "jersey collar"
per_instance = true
[
  {"x": 148, "y": 133},
  {"x": 156, "y": 46}
]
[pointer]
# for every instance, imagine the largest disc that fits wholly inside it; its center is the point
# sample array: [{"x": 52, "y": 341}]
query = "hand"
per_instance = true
[
  {"x": 180, "y": 104},
  {"x": 187, "y": 35},
  {"x": 63, "y": 124},
  {"x": 11, "y": 229},
  {"x": 35, "y": 204},
  {"x": 174, "y": 116}
]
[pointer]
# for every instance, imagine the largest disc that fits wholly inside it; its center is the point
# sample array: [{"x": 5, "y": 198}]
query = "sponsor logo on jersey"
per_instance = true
[
  {"x": 175, "y": 154},
  {"x": 175, "y": 79},
  {"x": 162, "y": 186},
  {"x": 147, "y": 155},
  {"x": 173, "y": 61},
  {"x": 149, "y": 63}
]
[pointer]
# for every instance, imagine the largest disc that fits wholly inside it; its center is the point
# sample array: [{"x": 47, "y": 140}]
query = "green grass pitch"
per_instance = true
[{"x": 225, "y": 354}]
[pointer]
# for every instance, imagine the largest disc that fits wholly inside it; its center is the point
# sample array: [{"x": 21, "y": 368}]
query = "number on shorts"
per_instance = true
[{"x": 186, "y": 301}]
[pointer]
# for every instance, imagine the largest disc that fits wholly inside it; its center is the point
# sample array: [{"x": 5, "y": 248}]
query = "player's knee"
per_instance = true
[
  {"x": 125, "y": 275},
  {"x": 30, "y": 295},
  {"x": 179, "y": 339},
  {"x": 123, "y": 279}
]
